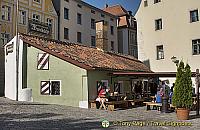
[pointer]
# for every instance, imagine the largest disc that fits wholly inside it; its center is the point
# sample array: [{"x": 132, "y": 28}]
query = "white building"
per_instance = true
[
  {"x": 168, "y": 28},
  {"x": 77, "y": 21}
]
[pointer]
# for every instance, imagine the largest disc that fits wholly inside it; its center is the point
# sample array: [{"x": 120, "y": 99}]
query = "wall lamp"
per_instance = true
[{"x": 175, "y": 60}]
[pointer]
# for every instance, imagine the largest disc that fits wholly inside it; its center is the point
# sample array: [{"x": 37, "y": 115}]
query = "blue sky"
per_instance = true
[{"x": 127, "y": 4}]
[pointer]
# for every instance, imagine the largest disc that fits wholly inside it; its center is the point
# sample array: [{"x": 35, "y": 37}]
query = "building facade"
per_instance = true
[
  {"x": 64, "y": 73},
  {"x": 77, "y": 23},
  {"x": 168, "y": 29},
  {"x": 37, "y": 17},
  {"x": 126, "y": 28}
]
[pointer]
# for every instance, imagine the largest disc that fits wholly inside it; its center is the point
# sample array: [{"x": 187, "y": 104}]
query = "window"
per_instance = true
[
  {"x": 66, "y": 13},
  {"x": 92, "y": 11},
  {"x": 66, "y": 33},
  {"x": 111, "y": 30},
  {"x": 78, "y": 18},
  {"x": 50, "y": 87},
  {"x": 112, "y": 46},
  {"x": 36, "y": 17},
  {"x": 93, "y": 41},
  {"x": 49, "y": 22},
  {"x": 102, "y": 84},
  {"x": 22, "y": 17},
  {"x": 157, "y": 1},
  {"x": 38, "y": 1},
  {"x": 6, "y": 12},
  {"x": 80, "y": 6},
  {"x": 93, "y": 23},
  {"x": 158, "y": 24},
  {"x": 102, "y": 15},
  {"x": 118, "y": 87},
  {"x": 194, "y": 16},
  {"x": 79, "y": 37},
  {"x": 145, "y": 3},
  {"x": 160, "y": 52},
  {"x": 43, "y": 61},
  {"x": 4, "y": 38},
  {"x": 196, "y": 47}
]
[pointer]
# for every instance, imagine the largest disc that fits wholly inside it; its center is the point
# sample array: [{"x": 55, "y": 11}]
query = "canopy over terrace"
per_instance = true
[{"x": 148, "y": 81}]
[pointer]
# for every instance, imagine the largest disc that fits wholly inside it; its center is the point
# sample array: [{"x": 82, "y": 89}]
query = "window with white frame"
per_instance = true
[
  {"x": 4, "y": 38},
  {"x": 160, "y": 52},
  {"x": 22, "y": 17},
  {"x": 49, "y": 22},
  {"x": 38, "y": 1},
  {"x": 93, "y": 23},
  {"x": 52, "y": 87},
  {"x": 66, "y": 13},
  {"x": 36, "y": 17},
  {"x": 79, "y": 21},
  {"x": 196, "y": 47},
  {"x": 194, "y": 16},
  {"x": 6, "y": 13},
  {"x": 158, "y": 24}
]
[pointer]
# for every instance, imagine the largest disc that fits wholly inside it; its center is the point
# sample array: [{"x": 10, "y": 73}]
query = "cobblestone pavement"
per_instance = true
[{"x": 25, "y": 116}]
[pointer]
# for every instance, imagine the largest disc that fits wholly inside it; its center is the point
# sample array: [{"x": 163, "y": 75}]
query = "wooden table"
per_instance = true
[{"x": 112, "y": 104}]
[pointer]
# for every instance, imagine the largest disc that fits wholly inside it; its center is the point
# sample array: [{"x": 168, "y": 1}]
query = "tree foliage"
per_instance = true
[{"x": 182, "y": 96}]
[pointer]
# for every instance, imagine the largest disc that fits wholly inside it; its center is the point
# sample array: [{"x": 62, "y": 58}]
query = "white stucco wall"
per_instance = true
[
  {"x": 10, "y": 70},
  {"x": 176, "y": 35}
]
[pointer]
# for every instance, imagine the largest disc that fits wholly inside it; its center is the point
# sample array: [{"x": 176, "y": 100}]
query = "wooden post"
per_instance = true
[{"x": 197, "y": 87}]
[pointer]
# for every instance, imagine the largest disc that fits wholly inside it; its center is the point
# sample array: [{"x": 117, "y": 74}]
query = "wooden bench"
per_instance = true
[
  {"x": 93, "y": 104},
  {"x": 112, "y": 104},
  {"x": 149, "y": 104},
  {"x": 133, "y": 102}
]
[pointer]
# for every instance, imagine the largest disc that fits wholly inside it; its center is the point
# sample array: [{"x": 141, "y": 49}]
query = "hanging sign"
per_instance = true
[{"x": 38, "y": 27}]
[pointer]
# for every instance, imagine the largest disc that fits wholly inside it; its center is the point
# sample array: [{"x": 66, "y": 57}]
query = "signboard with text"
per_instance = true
[{"x": 40, "y": 28}]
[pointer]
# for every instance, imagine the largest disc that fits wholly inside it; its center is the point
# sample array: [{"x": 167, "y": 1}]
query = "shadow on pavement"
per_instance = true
[{"x": 36, "y": 121}]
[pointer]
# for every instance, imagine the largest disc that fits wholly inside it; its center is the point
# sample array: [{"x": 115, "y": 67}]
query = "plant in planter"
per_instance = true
[{"x": 182, "y": 96}]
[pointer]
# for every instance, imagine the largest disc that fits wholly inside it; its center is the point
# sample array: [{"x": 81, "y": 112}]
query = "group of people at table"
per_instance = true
[{"x": 162, "y": 90}]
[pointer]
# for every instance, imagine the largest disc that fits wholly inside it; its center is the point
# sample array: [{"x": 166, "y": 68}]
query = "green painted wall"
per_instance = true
[
  {"x": 94, "y": 76},
  {"x": 73, "y": 80}
]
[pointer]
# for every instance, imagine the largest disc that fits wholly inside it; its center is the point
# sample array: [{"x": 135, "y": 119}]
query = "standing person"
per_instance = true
[{"x": 171, "y": 94}]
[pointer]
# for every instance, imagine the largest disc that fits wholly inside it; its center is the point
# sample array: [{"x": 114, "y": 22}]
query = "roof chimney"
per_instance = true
[
  {"x": 130, "y": 13},
  {"x": 106, "y": 5}
]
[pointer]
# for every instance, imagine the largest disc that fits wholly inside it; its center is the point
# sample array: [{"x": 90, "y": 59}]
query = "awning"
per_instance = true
[{"x": 145, "y": 74}]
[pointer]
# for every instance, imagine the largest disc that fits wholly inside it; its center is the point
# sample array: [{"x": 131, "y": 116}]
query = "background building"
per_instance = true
[
  {"x": 77, "y": 23},
  {"x": 36, "y": 17},
  {"x": 167, "y": 29},
  {"x": 127, "y": 30}
]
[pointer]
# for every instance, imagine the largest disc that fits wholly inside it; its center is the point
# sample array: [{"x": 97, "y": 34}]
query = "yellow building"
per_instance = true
[{"x": 35, "y": 14}]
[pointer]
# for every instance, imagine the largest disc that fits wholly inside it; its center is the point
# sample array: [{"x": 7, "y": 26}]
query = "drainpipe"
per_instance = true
[{"x": 17, "y": 52}]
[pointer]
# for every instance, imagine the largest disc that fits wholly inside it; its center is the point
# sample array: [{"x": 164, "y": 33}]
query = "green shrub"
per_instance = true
[{"x": 182, "y": 96}]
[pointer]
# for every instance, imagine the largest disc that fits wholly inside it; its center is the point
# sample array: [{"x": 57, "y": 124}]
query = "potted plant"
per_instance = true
[{"x": 182, "y": 96}]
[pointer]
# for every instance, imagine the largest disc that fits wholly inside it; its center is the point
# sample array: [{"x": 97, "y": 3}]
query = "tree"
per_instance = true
[{"x": 182, "y": 96}]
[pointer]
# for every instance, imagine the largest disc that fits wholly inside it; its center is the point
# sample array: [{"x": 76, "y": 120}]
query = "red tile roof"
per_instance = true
[
  {"x": 89, "y": 58},
  {"x": 117, "y": 10}
]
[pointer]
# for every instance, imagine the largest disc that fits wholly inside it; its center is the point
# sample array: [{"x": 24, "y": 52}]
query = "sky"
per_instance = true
[{"x": 131, "y": 5}]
